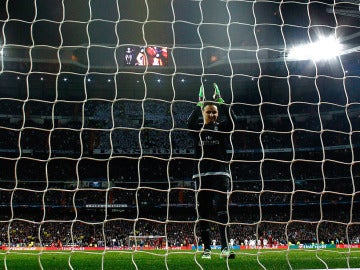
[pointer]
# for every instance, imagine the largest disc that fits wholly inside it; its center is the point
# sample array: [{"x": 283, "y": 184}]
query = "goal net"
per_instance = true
[{"x": 96, "y": 155}]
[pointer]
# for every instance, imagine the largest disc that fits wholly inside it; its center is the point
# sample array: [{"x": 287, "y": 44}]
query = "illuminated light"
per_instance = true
[
  {"x": 324, "y": 49},
  {"x": 41, "y": 79},
  {"x": 89, "y": 80},
  {"x": 108, "y": 80},
  {"x": 182, "y": 80},
  {"x": 65, "y": 79},
  {"x": 158, "y": 80}
]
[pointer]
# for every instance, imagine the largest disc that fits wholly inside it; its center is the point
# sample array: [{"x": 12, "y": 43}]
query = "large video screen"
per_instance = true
[{"x": 146, "y": 56}]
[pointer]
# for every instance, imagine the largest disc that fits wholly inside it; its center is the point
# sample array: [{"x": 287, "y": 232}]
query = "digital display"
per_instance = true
[{"x": 146, "y": 56}]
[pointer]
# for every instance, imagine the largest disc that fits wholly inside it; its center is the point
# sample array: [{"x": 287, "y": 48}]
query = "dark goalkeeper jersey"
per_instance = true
[{"x": 211, "y": 142}]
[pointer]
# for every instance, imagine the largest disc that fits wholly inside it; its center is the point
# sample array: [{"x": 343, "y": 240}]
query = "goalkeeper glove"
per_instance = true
[
  {"x": 201, "y": 97},
  {"x": 217, "y": 96}
]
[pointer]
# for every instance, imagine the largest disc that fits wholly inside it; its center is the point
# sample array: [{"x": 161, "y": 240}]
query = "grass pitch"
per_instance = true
[{"x": 181, "y": 260}]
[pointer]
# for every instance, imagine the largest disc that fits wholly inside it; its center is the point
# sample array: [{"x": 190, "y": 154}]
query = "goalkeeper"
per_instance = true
[{"x": 211, "y": 168}]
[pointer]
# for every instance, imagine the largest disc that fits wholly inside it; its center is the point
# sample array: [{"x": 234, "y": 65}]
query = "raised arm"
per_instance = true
[
  {"x": 193, "y": 120},
  {"x": 229, "y": 117},
  {"x": 224, "y": 109}
]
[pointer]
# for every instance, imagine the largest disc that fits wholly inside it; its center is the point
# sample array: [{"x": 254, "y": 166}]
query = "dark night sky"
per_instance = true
[{"x": 167, "y": 22}]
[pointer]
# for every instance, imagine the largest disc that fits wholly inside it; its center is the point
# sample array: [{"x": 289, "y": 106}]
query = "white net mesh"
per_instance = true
[{"x": 94, "y": 147}]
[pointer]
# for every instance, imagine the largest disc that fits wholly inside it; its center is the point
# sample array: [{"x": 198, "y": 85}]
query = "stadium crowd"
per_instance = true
[{"x": 96, "y": 172}]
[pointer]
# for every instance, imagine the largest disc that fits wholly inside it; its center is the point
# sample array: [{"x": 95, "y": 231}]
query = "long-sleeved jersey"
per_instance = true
[{"x": 211, "y": 142}]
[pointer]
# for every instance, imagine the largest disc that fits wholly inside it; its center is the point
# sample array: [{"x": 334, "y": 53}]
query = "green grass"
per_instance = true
[{"x": 180, "y": 260}]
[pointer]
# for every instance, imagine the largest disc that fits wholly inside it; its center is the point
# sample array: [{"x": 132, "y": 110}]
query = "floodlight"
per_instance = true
[{"x": 323, "y": 49}]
